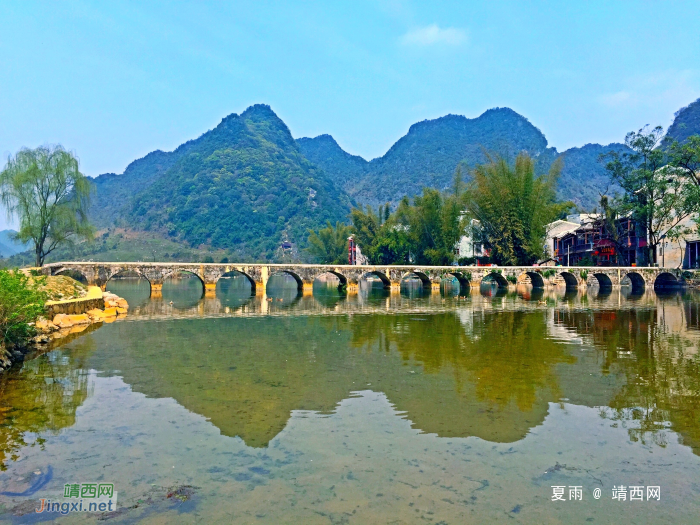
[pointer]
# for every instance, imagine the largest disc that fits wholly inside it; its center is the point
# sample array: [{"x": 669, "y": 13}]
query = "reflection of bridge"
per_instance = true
[{"x": 98, "y": 273}]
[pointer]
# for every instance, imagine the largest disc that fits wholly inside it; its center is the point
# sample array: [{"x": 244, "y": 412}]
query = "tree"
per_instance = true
[
  {"x": 658, "y": 195},
  {"x": 513, "y": 207},
  {"x": 330, "y": 244},
  {"x": 45, "y": 190},
  {"x": 434, "y": 227},
  {"x": 686, "y": 156}
]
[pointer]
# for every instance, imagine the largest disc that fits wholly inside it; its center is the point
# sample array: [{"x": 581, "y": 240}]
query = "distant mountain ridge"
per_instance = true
[
  {"x": 247, "y": 185},
  {"x": 430, "y": 152},
  {"x": 8, "y": 246}
]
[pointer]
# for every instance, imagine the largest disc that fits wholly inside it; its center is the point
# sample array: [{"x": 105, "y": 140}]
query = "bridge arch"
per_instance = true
[
  {"x": 636, "y": 281},
  {"x": 343, "y": 280},
  {"x": 297, "y": 278},
  {"x": 536, "y": 279},
  {"x": 174, "y": 272},
  {"x": 603, "y": 280},
  {"x": 463, "y": 280},
  {"x": 423, "y": 277},
  {"x": 497, "y": 278},
  {"x": 381, "y": 275},
  {"x": 236, "y": 273},
  {"x": 666, "y": 281},
  {"x": 73, "y": 273}
]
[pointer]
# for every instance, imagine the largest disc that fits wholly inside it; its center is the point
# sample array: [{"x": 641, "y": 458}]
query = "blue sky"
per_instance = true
[{"x": 115, "y": 80}]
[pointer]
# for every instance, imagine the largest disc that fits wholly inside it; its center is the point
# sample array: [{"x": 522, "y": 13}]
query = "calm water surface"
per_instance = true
[{"x": 374, "y": 407}]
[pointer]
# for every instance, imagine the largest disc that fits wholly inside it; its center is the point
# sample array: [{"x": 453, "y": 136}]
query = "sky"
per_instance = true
[{"x": 113, "y": 81}]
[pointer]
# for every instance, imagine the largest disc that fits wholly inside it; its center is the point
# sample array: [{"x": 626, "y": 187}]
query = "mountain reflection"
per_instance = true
[{"x": 485, "y": 369}]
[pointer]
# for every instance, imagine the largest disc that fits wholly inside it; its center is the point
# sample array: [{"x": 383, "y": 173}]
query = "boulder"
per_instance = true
[
  {"x": 122, "y": 311},
  {"x": 121, "y": 303},
  {"x": 63, "y": 321},
  {"x": 79, "y": 319},
  {"x": 110, "y": 312}
]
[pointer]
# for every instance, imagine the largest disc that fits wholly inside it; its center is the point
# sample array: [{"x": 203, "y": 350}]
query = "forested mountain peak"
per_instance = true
[{"x": 243, "y": 186}]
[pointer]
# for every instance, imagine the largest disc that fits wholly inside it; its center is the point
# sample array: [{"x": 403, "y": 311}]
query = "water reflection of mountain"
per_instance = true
[
  {"x": 41, "y": 397},
  {"x": 456, "y": 374}
]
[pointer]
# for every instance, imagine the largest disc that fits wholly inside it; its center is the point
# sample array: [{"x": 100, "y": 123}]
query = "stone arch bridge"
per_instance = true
[{"x": 99, "y": 273}]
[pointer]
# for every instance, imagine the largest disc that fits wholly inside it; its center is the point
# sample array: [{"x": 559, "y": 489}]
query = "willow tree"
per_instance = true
[
  {"x": 44, "y": 189},
  {"x": 513, "y": 207}
]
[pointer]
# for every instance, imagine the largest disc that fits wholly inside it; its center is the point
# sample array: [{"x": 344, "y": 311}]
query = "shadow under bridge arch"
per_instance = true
[
  {"x": 635, "y": 280},
  {"x": 666, "y": 281}
]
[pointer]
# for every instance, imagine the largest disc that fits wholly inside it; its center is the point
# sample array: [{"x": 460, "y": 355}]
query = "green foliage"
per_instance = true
[
  {"x": 513, "y": 207},
  {"x": 20, "y": 304},
  {"x": 659, "y": 196},
  {"x": 466, "y": 261},
  {"x": 208, "y": 259},
  {"x": 424, "y": 232},
  {"x": 686, "y": 157},
  {"x": 512, "y": 279},
  {"x": 45, "y": 190},
  {"x": 330, "y": 244},
  {"x": 224, "y": 260},
  {"x": 584, "y": 275},
  {"x": 549, "y": 273}
]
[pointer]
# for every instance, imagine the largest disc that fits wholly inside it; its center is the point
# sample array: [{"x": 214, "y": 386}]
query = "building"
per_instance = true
[
  {"x": 591, "y": 243},
  {"x": 468, "y": 247},
  {"x": 555, "y": 230}
]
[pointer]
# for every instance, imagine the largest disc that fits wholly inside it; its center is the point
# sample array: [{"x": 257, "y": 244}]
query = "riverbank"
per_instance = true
[{"x": 72, "y": 308}]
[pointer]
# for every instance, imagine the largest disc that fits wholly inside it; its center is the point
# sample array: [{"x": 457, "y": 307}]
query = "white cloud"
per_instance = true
[{"x": 433, "y": 34}]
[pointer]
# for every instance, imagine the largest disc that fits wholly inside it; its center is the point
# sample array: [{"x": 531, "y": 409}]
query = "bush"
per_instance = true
[
  {"x": 20, "y": 304},
  {"x": 208, "y": 259},
  {"x": 512, "y": 279},
  {"x": 466, "y": 261},
  {"x": 224, "y": 260}
]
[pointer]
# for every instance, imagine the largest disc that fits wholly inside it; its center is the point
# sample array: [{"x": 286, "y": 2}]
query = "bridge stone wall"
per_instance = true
[{"x": 99, "y": 273}]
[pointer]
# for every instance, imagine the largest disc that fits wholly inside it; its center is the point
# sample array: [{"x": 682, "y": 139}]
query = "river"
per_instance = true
[{"x": 375, "y": 407}]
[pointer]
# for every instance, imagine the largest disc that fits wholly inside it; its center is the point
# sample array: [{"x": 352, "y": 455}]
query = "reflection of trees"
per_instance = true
[
  {"x": 662, "y": 370},
  {"x": 507, "y": 355},
  {"x": 41, "y": 397}
]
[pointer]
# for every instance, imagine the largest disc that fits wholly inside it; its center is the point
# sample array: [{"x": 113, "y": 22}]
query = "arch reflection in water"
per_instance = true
[
  {"x": 283, "y": 289},
  {"x": 372, "y": 290},
  {"x": 130, "y": 286},
  {"x": 234, "y": 290},
  {"x": 491, "y": 288},
  {"x": 183, "y": 289},
  {"x": 452, "y": 286},
  {"x": 413, "y": 287}
]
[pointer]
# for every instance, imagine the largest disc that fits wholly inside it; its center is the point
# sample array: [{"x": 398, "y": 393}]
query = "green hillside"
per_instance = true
[
  {"x": 243, "y": 187},
  {"x": 686, "y": 122}
]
